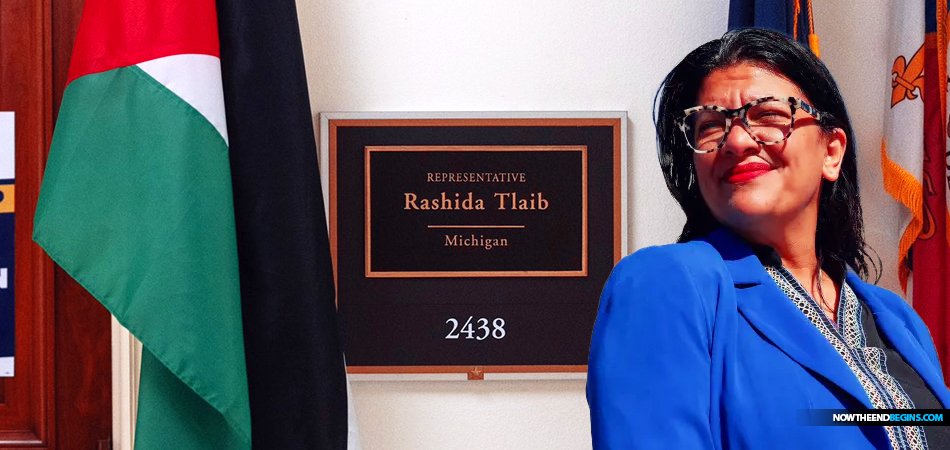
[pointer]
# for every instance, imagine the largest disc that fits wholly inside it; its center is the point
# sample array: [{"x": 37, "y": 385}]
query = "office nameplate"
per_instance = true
[
  {"x": 476, "y": 211},
  {"x": 472, "y": 243}
]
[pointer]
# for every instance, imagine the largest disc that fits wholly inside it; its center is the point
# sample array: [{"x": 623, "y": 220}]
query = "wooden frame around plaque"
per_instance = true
[{"x": 371, "y": 299}]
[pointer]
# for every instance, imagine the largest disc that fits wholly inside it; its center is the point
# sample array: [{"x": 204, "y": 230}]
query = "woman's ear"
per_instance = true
[{"x": 836, "y": 146}]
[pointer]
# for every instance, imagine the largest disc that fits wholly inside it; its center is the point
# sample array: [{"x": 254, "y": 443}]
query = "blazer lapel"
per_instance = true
[
  {"x": 773, "y": 314},
  {"x": 902, "y": 339}
]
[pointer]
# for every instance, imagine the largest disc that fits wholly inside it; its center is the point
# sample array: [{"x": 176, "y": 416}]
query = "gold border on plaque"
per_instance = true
[
  {"x": 582, "y": 272},
  {"x": 333, "y": 124},
  {"x": 474, "y": 372}
]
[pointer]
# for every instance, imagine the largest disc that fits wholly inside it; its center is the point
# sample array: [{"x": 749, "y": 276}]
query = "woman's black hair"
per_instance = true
[{"x": 839, "y": 240}]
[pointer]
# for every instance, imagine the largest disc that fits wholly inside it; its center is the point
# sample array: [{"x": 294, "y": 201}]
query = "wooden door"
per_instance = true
[{"x": 61, "y": 395}]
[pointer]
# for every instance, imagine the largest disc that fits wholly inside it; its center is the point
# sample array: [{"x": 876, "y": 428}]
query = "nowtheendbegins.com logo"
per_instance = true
[{"x": 825, "y": 417}]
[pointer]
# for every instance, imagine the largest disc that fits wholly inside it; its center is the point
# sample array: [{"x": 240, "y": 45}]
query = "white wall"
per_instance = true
[
  {"x": 541, "y": 55},
  {"x": 854, "y": 47}
]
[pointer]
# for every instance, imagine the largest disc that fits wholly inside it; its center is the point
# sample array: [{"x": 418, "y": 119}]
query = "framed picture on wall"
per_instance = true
[{"x": 467, "y": 244}]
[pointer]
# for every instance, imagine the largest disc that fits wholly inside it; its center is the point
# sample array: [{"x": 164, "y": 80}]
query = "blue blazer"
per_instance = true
[{"x": 695, "y": 347}]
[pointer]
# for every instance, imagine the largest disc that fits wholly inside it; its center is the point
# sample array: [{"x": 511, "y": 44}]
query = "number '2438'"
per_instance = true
[{"x": 478, "y": 331}]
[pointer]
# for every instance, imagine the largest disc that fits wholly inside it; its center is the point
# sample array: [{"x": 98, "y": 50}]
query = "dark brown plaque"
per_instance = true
[{"x": 472, "y": 245}]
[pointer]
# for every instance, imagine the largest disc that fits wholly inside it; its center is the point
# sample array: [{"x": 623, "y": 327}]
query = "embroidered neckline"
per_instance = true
[{"x": 868, "y": 364}]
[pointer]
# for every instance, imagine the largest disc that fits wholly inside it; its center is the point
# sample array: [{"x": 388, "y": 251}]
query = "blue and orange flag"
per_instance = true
[
  {"x": 913, "y": 158},
  {"x": 792, "y": 17}
]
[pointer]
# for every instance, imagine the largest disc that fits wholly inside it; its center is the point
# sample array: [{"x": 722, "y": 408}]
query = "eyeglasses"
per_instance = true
[{"x": 769, "y": 120}]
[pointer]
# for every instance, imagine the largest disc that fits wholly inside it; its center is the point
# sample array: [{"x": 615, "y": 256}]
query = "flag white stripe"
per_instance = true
[{"x": 197, "y": 80}]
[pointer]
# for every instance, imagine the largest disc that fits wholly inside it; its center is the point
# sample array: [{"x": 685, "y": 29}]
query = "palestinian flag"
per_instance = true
[{"x": 136, "y": 205}]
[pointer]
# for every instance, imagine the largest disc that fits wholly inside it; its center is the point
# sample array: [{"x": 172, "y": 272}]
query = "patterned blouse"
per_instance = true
[{"x": 849, "y": 336}]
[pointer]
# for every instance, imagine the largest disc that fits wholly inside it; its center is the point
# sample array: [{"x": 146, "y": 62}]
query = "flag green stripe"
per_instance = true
[
  {"x": 175, "y": 418},
  {"x": 136, "y": 205}
]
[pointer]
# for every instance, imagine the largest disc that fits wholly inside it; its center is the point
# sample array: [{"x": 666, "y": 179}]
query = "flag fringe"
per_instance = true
[
  {"x": 812, "y": 35},
  {"x": 813, "y": 44},
  {"x": 901, "y": 185}
]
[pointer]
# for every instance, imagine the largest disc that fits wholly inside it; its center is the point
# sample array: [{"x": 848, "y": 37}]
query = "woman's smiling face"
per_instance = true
[{"x": 747, "y": 184}]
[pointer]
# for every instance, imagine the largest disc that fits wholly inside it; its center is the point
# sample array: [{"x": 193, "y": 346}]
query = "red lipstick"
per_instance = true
[{"x": 745, "y": 172}]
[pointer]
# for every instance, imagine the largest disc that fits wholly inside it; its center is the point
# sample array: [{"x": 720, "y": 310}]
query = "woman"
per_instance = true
[{"x": 729, "y": 338}]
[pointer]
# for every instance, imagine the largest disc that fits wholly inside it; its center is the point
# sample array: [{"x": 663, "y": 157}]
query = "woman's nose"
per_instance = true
[{"x": 738, "y": 141}]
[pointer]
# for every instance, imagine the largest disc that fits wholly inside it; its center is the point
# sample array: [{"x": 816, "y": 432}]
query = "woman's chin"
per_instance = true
[{"x": 744, "y": 210}]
